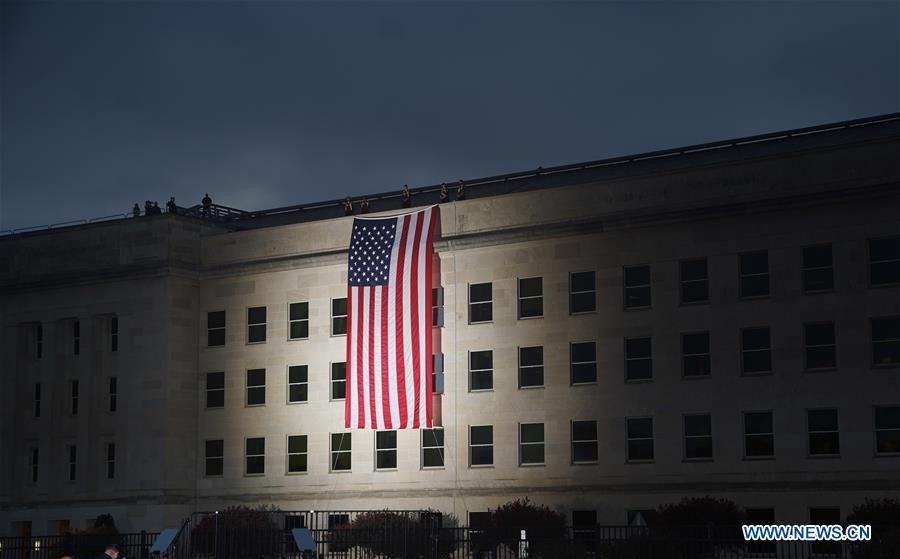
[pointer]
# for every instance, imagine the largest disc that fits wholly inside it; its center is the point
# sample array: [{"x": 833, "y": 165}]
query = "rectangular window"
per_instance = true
[
  {"x": 531, "y": 443},
  {"x": 695, "y": 359},
  {"x": 636, "y": 286},
  {"x": 640, "y": 439},
  {"x": 759, "y": 435},
  {"x": 884, "y": 261},
  {"x": 698, "y": 443},
  {"x": 73, "y": 392},
  {"x": 73, "y": 462},
  {"x": 256, "y": 325},
  {"x": 818, "y": 269},
  {"x": 37, "y": 399},
  {"x": 481, "y": 306},
  {"x": 824, "y": 436},
  {"x": 481, "y": 370},
  {"x": 582, "y": 292},
  {"x": 531, "y": 297},
  {"x": 114, "y": 333},
  {"x": 298, "y": 384},
  {"x": 694, "y": 279},
  {"x": 584, "y": 442},
  {"x": 887, "y": 430},
  {"x": 638, "y": 359},
  {"x": 297, "y": 460},
  {"x": 76, "y": 337},
  {"x": 38, "y": 340},
  {"x": 110, "y": 460},
  {"x": 583, "y": 362},
  {"x": 755, "y": 274},
  {"x": 256, "y": 387},
  {"x": 215, "y": 458},
  {"x": 33, "y": 463},
  {"x": 298, "y": 321},
  {"x": 584, "y": 526},
  {"x": 386, "y": 450},
  {"x": 341, "y": 452},
  {"x": 531, "y": 367},
  {"x": 338, "y": 381},
  {"x": 437, "y": 373},
  {"x": 339, "y": 317},
  {"x": 886, "y": 341},
  {"x": 255, "y": 456},
  {"x": 215, "y": 390},
  {"x": 215, "y": 328},
  {"x": 432, "y": 448},
  {"x": 756, "y": 350},
  {"x": 437, "y": 307},
  {"x": 821, "y": 350},
  {"x": 481, "y": 445},
  {"x": 113, "y": 400},
  {"x": 825, "y": 516}
]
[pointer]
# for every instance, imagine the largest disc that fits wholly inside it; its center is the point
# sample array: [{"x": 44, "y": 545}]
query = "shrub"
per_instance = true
[
  {"x": 239, "y": 532},
  {"x": 93, "y": 541},
  {"x": 545, "y": 529},
  {"x": 884, "y": 517}
]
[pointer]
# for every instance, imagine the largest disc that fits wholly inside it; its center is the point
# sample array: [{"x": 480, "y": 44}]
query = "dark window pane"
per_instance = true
[
  {"x": 695, "y": 292},
  {"x": 341, "y": 441},
  {"x": 532, "y": 376},
  {"x": 386, "y": 439},
  {"x": 757, "y": 362},
  {"x": 531, "y": 287},
  {"x": 531, "y": 356},
  {"x": 299, "y": 393},
  {"x": 215, "y": 319},
  {"x": 386, "y": 460},
  {"x": 256, "y": 465},
  {"x": 692, "y": 270},
  {"x": 299, "y": 330},
  {"x": 256, "y": 377},
  {"x": 584, "y": 373},
  {"x": 299, "y": 311},
  {"x": 695, "y": 343},
  {"x": 256, "y": 315},
  {"x": 215, "y": 398},
  {"x": 256, "y": 446},
  {"x": 532, "y": 432},
  {"x": 339, "y": 371},
  {"x": 215, "y": 380},
  {"x": 637, "y": 276},
  {"x": 298, "y": 373},
  {"x": 887, "y": 418},
  {"x": 482, "y": 380},
  {"x": 640, "y": 450},
  {"x": 754, "y": 286},
  {"x": 887, "y": 442},
  {"x": 584, "y": 452},
  {"x": 256, "y": 396},
  {"x": 482, "y": 455},
  {"x": 479, "y": 292},
  {"x": 532, "y": 454},
  {"x": 636, "y": 348},
  {"x": 817, "y": 256},
  {"x": 296, "y": 443},
  {"x": 758, "y": 422},
  {"x": 482, "y": 435},
  {"x": 297, "y": 463},
  {"x": 432, "y": 458},
  {"x": 433, "y": 437},
  {"x": 339, "y": 307},
  {"x": 214, "y": 466},
  {"x": 824, "y": 443},
  {"x": 819, "y": 334},
  {"x": 818, "y": 280},
  {"x": 481, "y": 312},
  {"x": 885, "y": 273},
  {"x": 584, "y": 430},
  {"x": 821, "y": 357},
  {"x": 339, "y": 326},
  {"x": 822, "y": 420},
  {"x": 338, "y": 390},
  {"x": 584, "y": 351},
  {"x": 697, "y": 425},
  {"x": 886, "y": 329},
  {"x": 697, "y": 366},
  {"x": 529, "y": 308},
  {"x": 215, "y": 338},
  {"x": 256, "y": 333},
  {"x": 884, "y": 258},
  {"x": 583, "y": 302},
  {"x": 582, "y": 281},
  {"x": 698, "y": 447},
  {"x": 481, "y": 360},
  {"x": 755, "y": 263},
  {"x": 641, "y": 369},
  {"x": 640, "y": 427},
  {"x": 760, "y": 445},
  {"x": 636, "y": 297},
  {"x": 215, "y": 448}
]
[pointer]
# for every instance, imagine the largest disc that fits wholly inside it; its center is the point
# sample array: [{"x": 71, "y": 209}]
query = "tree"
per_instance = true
[
  {"x": 545, "y": 529},
  {"x": 239, "y": 532}
]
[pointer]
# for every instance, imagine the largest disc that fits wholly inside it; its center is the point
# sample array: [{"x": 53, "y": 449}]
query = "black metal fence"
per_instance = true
[{"x": 132, "y": 546}]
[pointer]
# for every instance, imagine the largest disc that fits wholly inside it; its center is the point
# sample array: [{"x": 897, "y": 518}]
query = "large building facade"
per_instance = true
[{"x": 722, "y": 320}]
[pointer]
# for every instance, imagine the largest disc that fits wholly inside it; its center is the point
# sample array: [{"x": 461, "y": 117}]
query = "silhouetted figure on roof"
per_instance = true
[
  {"x": 156, "y": 209},
  {"x": 136, "y": 210},
  {"x": 348, "y": 206},
  {"x": 170, "y": 205},
  {"x": 364, "y": 207},
  {"x": 445, "y": 194},
  {"x": 461, "y": 191},
  {"x": 148, "y": 207},
  {"x": 407, "y": 196},
  {"x": 207, "y": 203}
]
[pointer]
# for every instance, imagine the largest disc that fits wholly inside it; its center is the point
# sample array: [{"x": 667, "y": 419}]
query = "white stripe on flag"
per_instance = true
[
  {"x": 424, "y": 320},
  {"x": 352, "y": 388},
  {"x": 376, "y": 359},
  {"x": 367, "y": 388},
  {"x": 392, "y": 330}
]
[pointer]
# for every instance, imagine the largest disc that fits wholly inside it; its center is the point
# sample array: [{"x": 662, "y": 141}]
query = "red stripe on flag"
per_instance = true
[
  {"x": 401, "y": 355},
  {"x": 429, "y": 281},
  {"x": 349, "y": 368},
  {"x": 414, "y": 319}
]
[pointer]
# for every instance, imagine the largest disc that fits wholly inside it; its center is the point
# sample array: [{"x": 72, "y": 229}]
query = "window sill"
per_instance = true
[
  {"x": 591, "y": 463},
  {"x": 534, "y": 465},
  {"x": 880, "y": 285},
  {"x": 530, "y": 387},
  {"x": 340, "y": 471},
  {"x": 214, "y": 408},
  {"x": 644, "y": 308},
  {"x": 758, "y": 374},
  {"x": 817, "y": 291},
  {"x": 582, "y": 313},
  {"x": 480, "y": 322},
  {"x": 298, "y": 339},
  {"x": 530, "y": 317},
  {"x": 696, "y": 377},
  {"x": 820, "y": 370},
  {"x": 693, "y": 303},
  {"x": 254, "y": 405},
  {"x": 480, "y": 466},
  {"x": 648, "y": 461},
  {"x": 758, "y": 458},
  {"x": 387, "y": 470},
  {"x": 299, "y": 402},
  {"x": 638, "y": 380},
  {"x": 255, "y": 343},
  {"x": 255, "y": 475},
  {"x": 344, "y": 335},
  {"x": 886, "y": 367},
  {"x": 754, "y": 297},
  {"x": 296, "y": 473},
  {"x": 480, "y": 390},
  {"x": 588, "y": 383},
  {"x": 429, "y": 468},
  {"x": 697, "y": 460},
  {"x": 823, "y": 456}
]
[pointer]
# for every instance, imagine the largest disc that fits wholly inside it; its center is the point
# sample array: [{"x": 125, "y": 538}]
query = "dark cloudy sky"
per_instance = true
[{"x": 266, "y": 104}]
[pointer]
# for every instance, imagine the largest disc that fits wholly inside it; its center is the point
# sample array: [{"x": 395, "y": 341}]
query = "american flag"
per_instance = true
[{"x": 389, "y": 322}]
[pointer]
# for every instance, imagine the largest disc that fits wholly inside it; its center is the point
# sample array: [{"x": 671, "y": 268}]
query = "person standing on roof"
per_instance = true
[{"x": 207, "y": 203}]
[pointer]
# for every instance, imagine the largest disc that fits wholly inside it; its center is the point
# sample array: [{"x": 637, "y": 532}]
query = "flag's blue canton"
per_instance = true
[{"x": 370, "y": 251}]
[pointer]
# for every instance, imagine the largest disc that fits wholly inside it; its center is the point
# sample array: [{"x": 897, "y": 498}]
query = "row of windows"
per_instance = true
[
  {"x": 754, "y": 281},
  {"x": 74, "y": 400},
  {"x": 71, "y": 462},
  {"x": 823, "y": 440},
  {"x": 74, "y": 328},
  {"x": 820, "y": 353}
]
